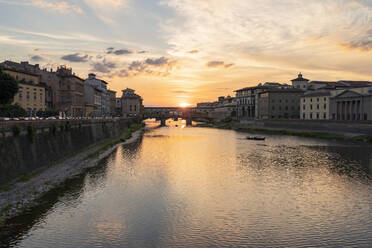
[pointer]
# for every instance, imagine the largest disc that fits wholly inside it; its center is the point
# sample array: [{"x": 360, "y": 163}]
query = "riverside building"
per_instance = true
[
  {"x": 315, "y": 105},
  {"x": 31, "y": 94},
  {"x": 277, "y": 103}
]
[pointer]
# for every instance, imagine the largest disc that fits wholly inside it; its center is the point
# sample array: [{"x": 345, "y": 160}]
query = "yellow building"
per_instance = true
[
  {"x": 31, "y": 95},
  {"x": 315, "y": 105}
]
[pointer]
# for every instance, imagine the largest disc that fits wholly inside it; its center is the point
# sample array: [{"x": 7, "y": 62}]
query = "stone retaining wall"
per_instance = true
[{"x": 38, "y": 144}]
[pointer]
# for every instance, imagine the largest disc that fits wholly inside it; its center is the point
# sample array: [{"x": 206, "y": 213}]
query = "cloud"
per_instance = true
[
  {"x": 76, "y": 57},
  {"x": 107, "y": 10},
  {"x": 363, "y": 43},
  {"x": 180, "y": 91},
  {"x": 60, "y": 6},
  {"x": 148, "y": 67},
  {"x": 37, "y": 58},
  {"x": 119, "y": 52},
  {"x": 215, "y": 63},
  {"x": 103, "y": 67},
  {"x": 157, "y": 62},
  {"x": 193, "y": 51},
  {"x": 261, "y": 33}
]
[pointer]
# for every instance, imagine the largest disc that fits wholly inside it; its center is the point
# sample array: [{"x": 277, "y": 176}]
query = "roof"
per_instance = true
[
  {"x": 19, "y": 71},
  {"x": 254, "y": 88},
  {"x": 286, "y": 90},
  {"x": 317, "y": 93},
  {"x": 300, "y": 78}
]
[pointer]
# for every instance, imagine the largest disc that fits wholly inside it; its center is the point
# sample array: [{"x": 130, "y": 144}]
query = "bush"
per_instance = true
[{"x": 10, "y": 110}]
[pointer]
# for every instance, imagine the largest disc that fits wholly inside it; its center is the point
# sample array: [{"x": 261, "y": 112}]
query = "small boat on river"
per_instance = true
[{"x": 255, "y": 138}]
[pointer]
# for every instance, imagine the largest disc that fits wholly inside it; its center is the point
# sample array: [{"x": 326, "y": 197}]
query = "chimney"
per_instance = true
[{"x": 92, "y": 76}]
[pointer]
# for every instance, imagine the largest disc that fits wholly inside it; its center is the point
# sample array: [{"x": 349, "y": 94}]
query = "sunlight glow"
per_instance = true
[{"x": 184, "y": 104}]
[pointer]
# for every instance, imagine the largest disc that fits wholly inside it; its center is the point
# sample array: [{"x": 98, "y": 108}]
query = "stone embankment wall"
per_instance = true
[
  {"x": 344, "y": 127},
  {"x": 26, "y": 146}
]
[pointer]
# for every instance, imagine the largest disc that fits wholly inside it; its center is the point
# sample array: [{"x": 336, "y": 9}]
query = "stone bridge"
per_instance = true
[{"x": 164, "y": 113}]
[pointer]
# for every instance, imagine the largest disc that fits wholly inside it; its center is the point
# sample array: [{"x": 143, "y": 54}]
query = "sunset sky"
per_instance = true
[{"x": 189, "y": 51}]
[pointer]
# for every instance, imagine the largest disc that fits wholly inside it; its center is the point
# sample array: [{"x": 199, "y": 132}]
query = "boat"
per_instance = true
[{"x": 255, "y": 138}]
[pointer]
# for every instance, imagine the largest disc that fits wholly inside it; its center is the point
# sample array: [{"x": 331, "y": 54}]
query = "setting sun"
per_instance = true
[{"x": 184, "y": 104}]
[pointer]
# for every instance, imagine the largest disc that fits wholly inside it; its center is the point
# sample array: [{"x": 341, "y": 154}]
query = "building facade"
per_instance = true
[
  {"x": 92, "y": 100},
  {"x": 280, "y": 103},
  {"x": 351, "y": 104},
  {"x": 102, "y": 86},
  {"x": 31, "y": 94},
  {"x": 300, "y": 82},
  {"x": 131, "y": 103},
  {"x": 71, "y": 92},
  {"x": 315, "y": 105},
  {"x": 112, "y": 101}
]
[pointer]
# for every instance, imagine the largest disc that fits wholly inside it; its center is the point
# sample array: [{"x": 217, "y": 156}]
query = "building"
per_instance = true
[
  {"x": 31, "y": 94},
  {"x": 71, "y": 92},
  {"x": 131, "y": 103},
  {"x": 112, "y": 101},
  {"x": 276, "y": 103},
  {"x": 118, "y": 111},
  {"x": 225, "y": 107},
  {"x": 351, "y": 104},
  {"x": 247, "y": 99},
  {"x": 300, "y": 82},
  {"x": 102, "y": 86},
  {"x": 315, "y": 105},
  {"x": 92, "y": 100},
  {"x": 57, "y": 92}
]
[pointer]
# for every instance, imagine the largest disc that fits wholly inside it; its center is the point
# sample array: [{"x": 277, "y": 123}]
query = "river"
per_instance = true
[{"x": 202, "y": 187}]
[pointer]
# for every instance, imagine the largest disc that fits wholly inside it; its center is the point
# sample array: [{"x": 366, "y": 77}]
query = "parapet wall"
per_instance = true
[
  {"x": 31, "y": 145},
  {"x": 345, "y": 127}
]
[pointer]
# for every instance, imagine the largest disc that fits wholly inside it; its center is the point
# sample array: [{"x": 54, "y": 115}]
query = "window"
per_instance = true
[
  {"x": 325, "y": 99},
  {"x": 317, "y": 116},
  {"x": 28, "y": 95},
  {"x": 41, "y": 97},
  {"x": 303, "y": 116},
  {"x": 304, "y": 107},
  {"x": 317, "y": 99},
  {"x": 311, "y": 106},
  {"x": 311, "y": 116},
  {"x": 304, "y": 100},
  {"x": 20, "y": 95},
  {"x": 130, "y": 108},
  {"x": 286, "y": 107},
  {"x": 325, "y": 106},
  {"x": 273, "y": 108},
  {"x": 324, "y": 116},
  {"x": 35, "y": 96},
  {"x": 135, "y": 107},
  {"x": 317, "y": 106},
  {"x": 311, "y": 99}
]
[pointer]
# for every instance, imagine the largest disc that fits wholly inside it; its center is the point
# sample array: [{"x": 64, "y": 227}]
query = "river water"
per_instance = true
[{"x": 201, "y": 187}]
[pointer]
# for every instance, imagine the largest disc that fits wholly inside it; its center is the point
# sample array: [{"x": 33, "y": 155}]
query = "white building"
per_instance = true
[
  {"x": 101, "y": 85},
  {"x": 300, "y": 82}
]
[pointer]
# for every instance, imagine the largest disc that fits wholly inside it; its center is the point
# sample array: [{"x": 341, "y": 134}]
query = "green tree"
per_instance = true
[{"x": 8, "y": 88}]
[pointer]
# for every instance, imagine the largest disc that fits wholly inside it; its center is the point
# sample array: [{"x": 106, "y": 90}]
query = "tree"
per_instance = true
[{"x": 8, "y": 88}]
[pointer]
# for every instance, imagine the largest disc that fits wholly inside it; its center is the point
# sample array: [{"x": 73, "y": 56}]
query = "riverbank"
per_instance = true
[
  {"x": 329, "y": 135},
  {"x": 21, "y": 194}
]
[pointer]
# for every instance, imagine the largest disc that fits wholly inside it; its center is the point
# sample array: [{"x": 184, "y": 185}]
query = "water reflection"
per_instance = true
[{"x": 199, "y": 187}]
